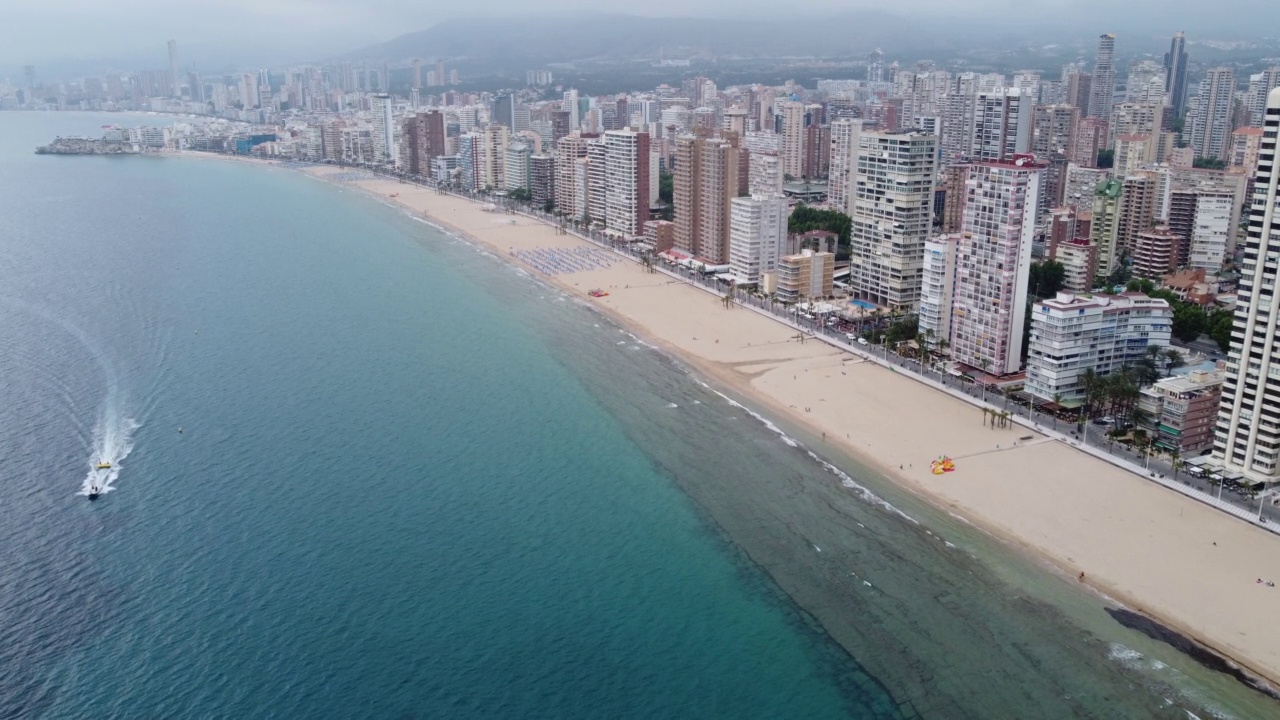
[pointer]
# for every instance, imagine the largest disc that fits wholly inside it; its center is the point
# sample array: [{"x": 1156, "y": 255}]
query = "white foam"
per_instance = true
[
  {"x": 1125, "y": 655},
  {"x": 672, "y": 405},
  {"x": 845, "y": 479},
  {"x": 113, "y": 441}
]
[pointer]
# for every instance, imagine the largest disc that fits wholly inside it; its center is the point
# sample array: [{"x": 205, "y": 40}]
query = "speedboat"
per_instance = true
[
  {"x": 104, "y": 465},
  {"x": 94, "y": 491}
]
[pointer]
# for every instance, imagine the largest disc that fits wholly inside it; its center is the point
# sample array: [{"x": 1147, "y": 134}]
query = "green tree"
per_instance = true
[
  {"x": 1045, "y": 279},
  {"x": 805, "y": 218},
  {"x": 520, "y": 195},
  {"x": 1210, "y": 163},
  {"x": 666, "y": 187},
  {"x": 1220, "y": 322},
  {"x": 1189, "y": 321}
]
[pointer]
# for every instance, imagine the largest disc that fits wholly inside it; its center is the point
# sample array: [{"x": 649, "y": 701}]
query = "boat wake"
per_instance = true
[{"x": 112, "y": 443}]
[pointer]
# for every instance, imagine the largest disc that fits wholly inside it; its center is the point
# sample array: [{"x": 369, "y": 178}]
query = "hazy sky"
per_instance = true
[{"x": 40, "y": 31}]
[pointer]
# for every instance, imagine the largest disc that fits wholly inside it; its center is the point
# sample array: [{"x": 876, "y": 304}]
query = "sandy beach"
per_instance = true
[{"x": 1187, "y": 565}]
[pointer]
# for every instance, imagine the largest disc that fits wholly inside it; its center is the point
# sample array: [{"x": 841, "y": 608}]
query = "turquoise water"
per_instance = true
[{"x": 412, "y": 481}]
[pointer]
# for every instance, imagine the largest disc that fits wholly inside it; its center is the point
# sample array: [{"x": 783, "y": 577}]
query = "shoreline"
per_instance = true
[{"x": 745, "y": 376}]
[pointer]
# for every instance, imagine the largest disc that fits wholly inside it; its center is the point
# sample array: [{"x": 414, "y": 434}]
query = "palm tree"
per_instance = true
[
  {"x": 1175, "y": 461},
  {"x": 985, "y": 364},
  {"x": 1057, "y": 404}
]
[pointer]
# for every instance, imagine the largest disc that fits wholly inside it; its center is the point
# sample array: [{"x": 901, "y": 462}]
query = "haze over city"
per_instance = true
[{"x": 691, "y": 360}]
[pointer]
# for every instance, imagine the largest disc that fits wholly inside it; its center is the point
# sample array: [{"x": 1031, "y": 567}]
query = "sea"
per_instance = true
[{"x": 363, "y": 468}]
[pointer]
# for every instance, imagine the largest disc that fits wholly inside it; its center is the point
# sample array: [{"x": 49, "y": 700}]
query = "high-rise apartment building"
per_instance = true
[
  {"x": 542, "y": 179},
  {"x": 469, "y": 160},
  {"x": 705, "y": 180},
  {"x": 1052, "y": 136},
  {"x": 1260, "y": 85},
  {"x": 757, "y": 232},
  {"x": 817, "y": 151},
  {"x": 764, "y": 174},
  {"x": 1137, "y": 118},
  {"x": 384, "y": 143},
  {"x": 844, "y": 134},
  {"x": 1210, "y": 121},
  {"x": 504, "y": 110},
  {"x": 517, "y": 166},
  {"x": 1136, "y": 210},
  {"x": 491, "y": 157},
  {"x": 891, "y": 209},
  {"x": 570, "y": 149},
  {"x": 956, "y": 109},
  {"x": 1002, "y": 124},
  {"x": 1091, "y": 137},
  {"x": 953, "y": 177},
  {"x": 422, "y": 140},
  {"x": 791, "y": 115},
  {"x": 1053, "y": 129},
  {"x": 1104, "y": 77},
  {"x": 1079, "y": 90},
  {"x": 1248, "y": 438},
  {"x": 937, "y": 290},
  {"x": 1175, "y": 67},
  {"x": 1245, "y": 143},
  {"x": 626, "y": 181},
  {"x": 993, "y": 262},
  {"x": 596, "y": 166}
]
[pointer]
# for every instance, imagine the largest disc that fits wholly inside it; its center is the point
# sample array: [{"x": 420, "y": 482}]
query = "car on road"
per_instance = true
[{"x": 863, "y": 341}]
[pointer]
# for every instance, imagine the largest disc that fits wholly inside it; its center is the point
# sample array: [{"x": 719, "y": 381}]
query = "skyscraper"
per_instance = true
[
  {"x": 792, "y": 114},
  {"x": 875, "y": 66},
  {"x": 844, "y": 135},
  {"x": 174, "y": 77},
  {"x": 1002, "y": 123},
  {"x": 1261, "y": 85},
  {"x": 757, "y": 233},
  {"x": 504, "y": 110},
  {"x": 1080, "y": 91},
  {"x": 993, "y": 262},
  {"x": 890, "y": 191},
  {"x": 384, "y": 144},
  {"x": 570, "y": 150},
  {"x": 1211, "y": 119},
  {"x": 1247, "y": 439},
  {"x": 1104, "y": 77},
  {"x": 422, "y": 139},
  {"x": 1052, "y": 137},
  {"x": 626, "y": 181},
  {"x": 706, "y": 179},
  {"x": 1175, "y": 81}
]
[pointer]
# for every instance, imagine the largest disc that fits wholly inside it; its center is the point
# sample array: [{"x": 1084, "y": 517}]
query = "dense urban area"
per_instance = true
[{"x": 1096, "y": 243}]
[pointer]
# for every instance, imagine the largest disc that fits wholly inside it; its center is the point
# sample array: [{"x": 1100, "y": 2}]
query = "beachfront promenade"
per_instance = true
[{"x": 1257, "y": 512}]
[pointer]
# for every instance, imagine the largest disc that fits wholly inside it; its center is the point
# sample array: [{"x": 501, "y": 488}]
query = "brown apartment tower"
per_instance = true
[{"x": 424, "y": 140}]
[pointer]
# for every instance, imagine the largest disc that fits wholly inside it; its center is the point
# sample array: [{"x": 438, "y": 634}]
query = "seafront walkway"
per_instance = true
[{"x": 1254, "y": 511}]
